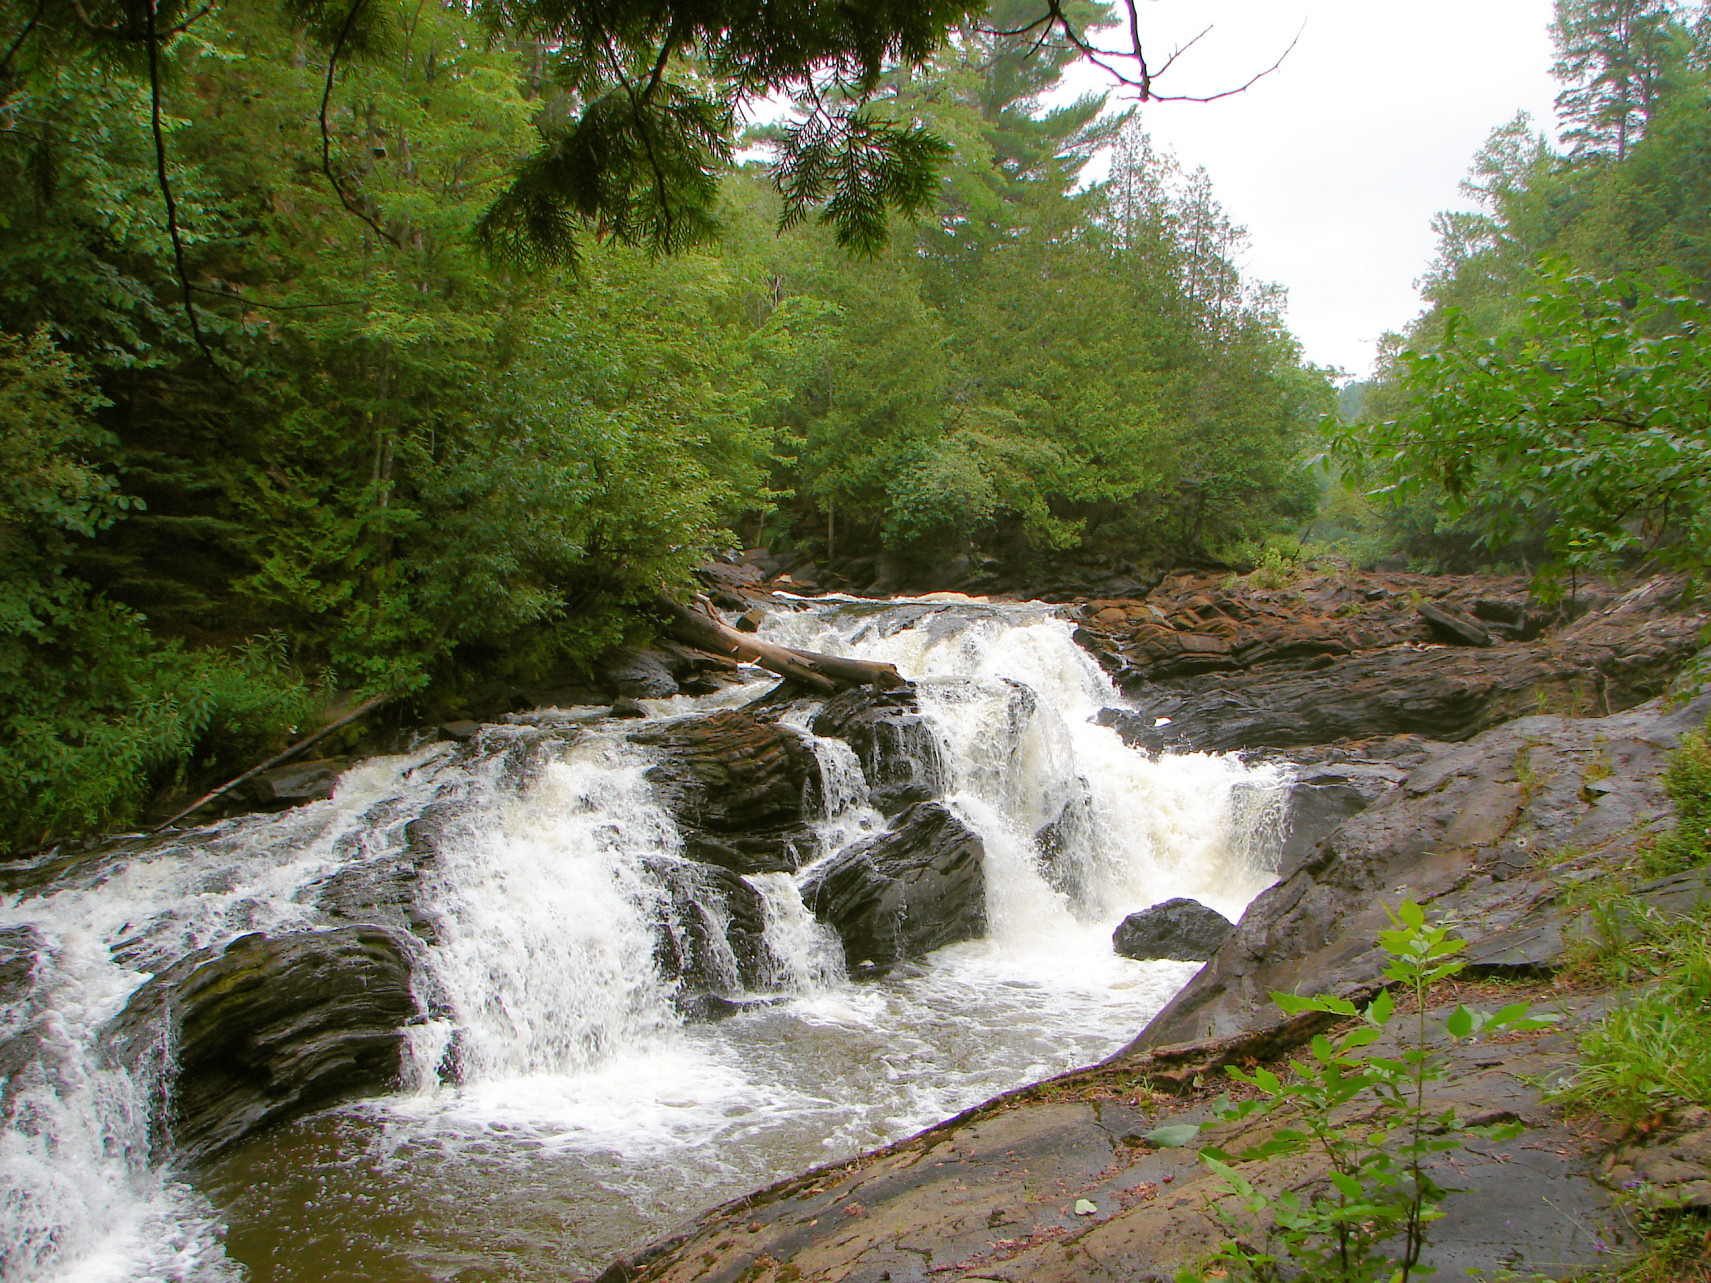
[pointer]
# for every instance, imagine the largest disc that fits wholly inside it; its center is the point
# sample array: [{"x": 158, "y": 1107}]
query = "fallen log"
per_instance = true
[
  {"x": 811, "y": 668},
  {"x": 359, "y": 711}
]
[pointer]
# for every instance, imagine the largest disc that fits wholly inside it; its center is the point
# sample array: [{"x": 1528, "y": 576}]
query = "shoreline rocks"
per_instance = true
[{"x": 267, "y": 1028}]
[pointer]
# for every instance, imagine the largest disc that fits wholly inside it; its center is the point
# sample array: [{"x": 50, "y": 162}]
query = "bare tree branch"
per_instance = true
[
  {"x": 165, "y": 184},
  {"x": 327, "y": 134}
]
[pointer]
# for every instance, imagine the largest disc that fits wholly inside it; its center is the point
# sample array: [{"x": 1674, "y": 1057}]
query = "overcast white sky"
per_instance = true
[{"x": 1338, "y": 160}]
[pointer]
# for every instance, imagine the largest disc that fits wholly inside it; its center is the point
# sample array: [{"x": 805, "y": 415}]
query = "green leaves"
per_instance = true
[
  {"x": 1172, "y": 1136},
  {"x": 1365, "y": 1116},
  {"x": 1596, "y": 410}
]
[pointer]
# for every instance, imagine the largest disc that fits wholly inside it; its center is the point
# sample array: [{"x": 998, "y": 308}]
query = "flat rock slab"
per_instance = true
[
  {"x": 992, "y": 1194},
  {"x": 1464, "y": 833}
]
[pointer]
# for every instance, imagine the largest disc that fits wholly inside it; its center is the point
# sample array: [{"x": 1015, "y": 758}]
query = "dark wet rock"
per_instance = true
[
  {"x": 268, "y": 1028},
  {"x": 297, "y": 782},
  {"x": 1441, "y": 693},
  {"x": 638, "y": 674},
  {"x": 743, "y": 789},
  {"x": 461, "y": 731},
  {"x": 1453, "y": 626},
  {"x": 711, "y": 942},
  {"x": 1063, "y": 843},
  {"x": 381, "y": 889},
  {"x": 751, "y": 620},
  {"x": 1183, "y": 929},
  {"x": 899, "y": 749},
  {"x": 20, "y": 1012},
  {"x": 905, "y": 892},
  {"x": 1464, "y": 831},
  {"x": 627, "y": 708},
  {"x": 1315, "y": 810}
]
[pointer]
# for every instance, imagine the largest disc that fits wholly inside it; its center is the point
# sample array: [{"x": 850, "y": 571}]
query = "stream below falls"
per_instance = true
[{"x": 588, "y": 1115}]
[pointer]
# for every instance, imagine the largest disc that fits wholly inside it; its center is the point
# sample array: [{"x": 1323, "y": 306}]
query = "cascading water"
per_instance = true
[{"x": 562, "y": 1109}]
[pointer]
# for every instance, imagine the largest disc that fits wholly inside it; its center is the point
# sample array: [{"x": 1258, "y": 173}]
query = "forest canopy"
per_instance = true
[
  {"x": 1550, "y": 410},
  {"x": 299, "y": 433}
]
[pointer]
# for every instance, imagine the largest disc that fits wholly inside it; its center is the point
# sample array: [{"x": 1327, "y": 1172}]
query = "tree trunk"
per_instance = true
[{"x": 820, "y": 672}]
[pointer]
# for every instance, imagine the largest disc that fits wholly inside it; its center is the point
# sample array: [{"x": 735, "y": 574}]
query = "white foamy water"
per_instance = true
[{"x": 559, "y": 1108}]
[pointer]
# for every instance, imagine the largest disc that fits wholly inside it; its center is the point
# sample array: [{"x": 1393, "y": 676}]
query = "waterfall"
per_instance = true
[{"x": 574, "y": 958}]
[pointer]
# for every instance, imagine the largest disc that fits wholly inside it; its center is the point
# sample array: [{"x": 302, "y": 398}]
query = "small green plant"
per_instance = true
[
  {"x": 1651, "y": 1052},
  {"x": 1687, "y": 779},
  {"x": 1365, "y": 1115}
]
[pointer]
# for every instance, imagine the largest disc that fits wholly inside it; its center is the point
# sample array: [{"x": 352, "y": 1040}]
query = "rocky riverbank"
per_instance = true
[{"x": 1463, "y": 745}]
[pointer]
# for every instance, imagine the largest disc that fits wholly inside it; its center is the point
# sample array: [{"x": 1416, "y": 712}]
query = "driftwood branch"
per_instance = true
[
  {"x": 360, "y": 710},
  {"x": 813, "y": 669}
]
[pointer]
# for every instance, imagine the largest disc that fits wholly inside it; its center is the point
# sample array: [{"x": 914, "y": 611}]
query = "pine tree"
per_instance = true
[{"x": 1613, "y": 56}]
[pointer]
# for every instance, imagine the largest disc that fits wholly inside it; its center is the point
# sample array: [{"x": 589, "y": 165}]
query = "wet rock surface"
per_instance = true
[
  {"x": 267, "y": 1028},
  {"x": 1469, "y": 832},
  {"x": 1181, "y": 928},
  {"x": 992, "y": 1193},
  {"x": 710, "y": 942},
  {"x": 743, "y": 789},
  {"x": 1347, "y": 657},
  {"x": 898, "y": 749},
  {"x": 905, "y": 892}
]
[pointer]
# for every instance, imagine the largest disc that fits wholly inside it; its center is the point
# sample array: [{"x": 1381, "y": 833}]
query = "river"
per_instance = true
[{"x": 588, "y": 1116}]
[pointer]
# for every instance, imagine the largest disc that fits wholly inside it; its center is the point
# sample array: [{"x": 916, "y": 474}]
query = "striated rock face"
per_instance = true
[
  {"x": 1464, "y": 831},
  {"x": 268, "y": 1028},
  {"x": 1335, "y": 685},
  {"x": 21, "y": 1015},
  {"x": 900, "y": 754},
  {"x": 1181, "y": 928},
  {"x": 743, "y": 790},
  {"x": 903, "y": 893}
]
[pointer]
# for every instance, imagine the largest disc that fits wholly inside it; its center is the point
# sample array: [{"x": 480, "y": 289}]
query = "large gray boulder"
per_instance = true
[
  {"x": 267, "y": 1028},
  {"x": 1487, "y": 832},
  {"x": 1183, "y": 929},
  {"x": 711, "y": 940},
  {"x": 743, "y": 790},
  {"x": 903, "y": 893}
]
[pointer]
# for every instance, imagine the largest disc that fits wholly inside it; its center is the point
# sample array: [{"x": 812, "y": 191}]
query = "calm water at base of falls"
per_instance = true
[{"x": 590, "y": 1119}]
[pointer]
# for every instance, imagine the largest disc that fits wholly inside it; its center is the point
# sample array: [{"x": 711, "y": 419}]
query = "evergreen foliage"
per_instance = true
[{"x": 366, "y": 459}]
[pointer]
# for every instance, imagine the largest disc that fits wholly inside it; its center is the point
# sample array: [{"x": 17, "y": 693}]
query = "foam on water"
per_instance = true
[
  {"x": 81, "y": 1197},
  {"x": 551, "y": 1050}
]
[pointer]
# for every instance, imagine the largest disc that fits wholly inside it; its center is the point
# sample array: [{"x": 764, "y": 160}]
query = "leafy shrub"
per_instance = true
[{"x": 1365, "y": 1115}]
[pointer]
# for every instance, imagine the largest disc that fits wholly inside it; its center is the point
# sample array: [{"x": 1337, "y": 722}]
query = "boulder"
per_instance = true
[
  {"x": 898, "y": 747},
  {"x": 1453, "y": 626},
  {"x": 297, "y": 782},
  {"x": 1183, "y": 929},
  {"x": 905, "y": 892},
  {"x": 1063, "y": 844},
  {"x": 266, "y": 1028},
  {"x": 1465, "y": 832},
  {"x": 636, "y": 673},
  {"x": 380, "y": 889},
  {"x": 711, "y": 939},
  {"x": 742, "y": 789},
  {"x": 1315, "y": 810}
]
